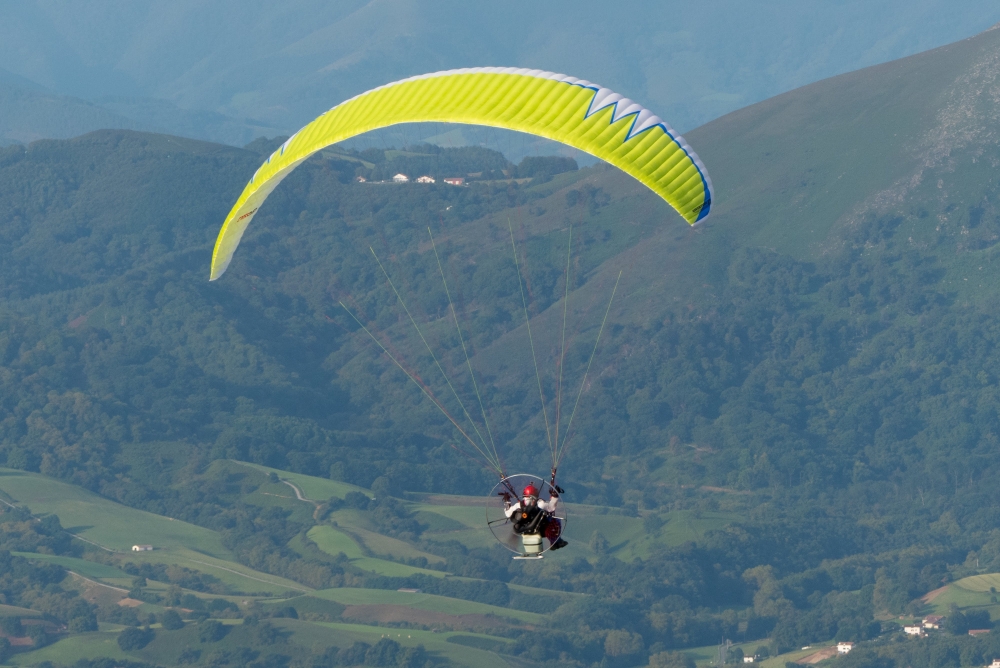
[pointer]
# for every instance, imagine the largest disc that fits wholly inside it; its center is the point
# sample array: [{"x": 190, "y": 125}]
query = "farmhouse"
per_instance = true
[
  {"x": 425, "y": 179},
  {"x": 749, "y": 659},
  {"x": 978, "y": 632},
  {"x": 401, "y": 178},
  {"x": 844, "y": 647},
  {"x": 933, "y": 621},
  {"x": 142, "y": 548},
  {"x": 360, "y": 179},
  {"x": 914, "y": 630},
  {"x": 455, "y": 181}
]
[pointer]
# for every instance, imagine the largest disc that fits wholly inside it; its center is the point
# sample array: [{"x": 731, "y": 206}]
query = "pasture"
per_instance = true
[
  {"x": 85, "y": 568},
  {"x": 970, "y": 592},
  {"x": 67, "y": 651},
  {"x": 104, "y": 522},
  {"x": 333, "y": 542},
  {"x": 312, "y": 487}
]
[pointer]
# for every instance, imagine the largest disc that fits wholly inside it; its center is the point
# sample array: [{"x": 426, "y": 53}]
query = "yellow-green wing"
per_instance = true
[{"x": 564, "y": 109}]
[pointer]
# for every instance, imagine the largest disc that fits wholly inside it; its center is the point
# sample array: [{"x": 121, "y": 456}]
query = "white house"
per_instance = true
[
  {"x": 401, "y": 178},
  {"x": 995, "y": 664},
  {"x": 844, "y": 647},
  {"x": 749, "y": 659},
  {"x": 142, "y": 548},
  {"x": 425, "y": 179},
  {"x": 933, "y": 621},
  {"x": 914, "y": 630},
  {"x": 360, "y": 179}
]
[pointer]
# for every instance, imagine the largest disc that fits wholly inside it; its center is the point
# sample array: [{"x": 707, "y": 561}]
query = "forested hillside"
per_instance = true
[{"x": 816, "y": 362}]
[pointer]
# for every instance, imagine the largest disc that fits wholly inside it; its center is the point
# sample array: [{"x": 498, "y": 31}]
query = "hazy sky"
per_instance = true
[{"x": 280, "y": 64}]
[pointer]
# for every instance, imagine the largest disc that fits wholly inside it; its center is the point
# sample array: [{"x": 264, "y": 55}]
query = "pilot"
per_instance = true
[{"x": 532, "y": 515}]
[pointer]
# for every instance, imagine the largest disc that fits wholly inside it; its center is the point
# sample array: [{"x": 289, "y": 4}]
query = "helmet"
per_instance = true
[{"x": 531, "y": 490}]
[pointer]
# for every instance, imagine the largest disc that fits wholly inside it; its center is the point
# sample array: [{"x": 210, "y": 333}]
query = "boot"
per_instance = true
[{"x": 558, "y": 544}]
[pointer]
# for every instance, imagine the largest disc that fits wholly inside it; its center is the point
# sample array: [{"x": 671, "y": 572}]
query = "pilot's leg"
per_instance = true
[{"x": 553, "y": 531}]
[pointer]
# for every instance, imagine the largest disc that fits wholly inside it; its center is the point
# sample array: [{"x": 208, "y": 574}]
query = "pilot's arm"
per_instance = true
[{"x": 511, "y": 509}]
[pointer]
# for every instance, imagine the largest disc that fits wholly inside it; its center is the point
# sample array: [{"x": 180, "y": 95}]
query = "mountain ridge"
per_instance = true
[{"x": 285, "y": 65}]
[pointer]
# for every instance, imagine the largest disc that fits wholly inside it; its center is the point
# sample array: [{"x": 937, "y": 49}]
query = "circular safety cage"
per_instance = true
[{"x": 509, "y": 490}]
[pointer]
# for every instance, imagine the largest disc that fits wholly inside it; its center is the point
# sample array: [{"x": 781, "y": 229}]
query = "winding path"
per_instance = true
[
  {"x": 95, "y": 582},
  {"x": 301, "y": 497}
]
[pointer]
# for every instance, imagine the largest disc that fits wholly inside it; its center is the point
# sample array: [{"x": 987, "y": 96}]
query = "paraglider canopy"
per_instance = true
[{"x": 555, "y": 106}]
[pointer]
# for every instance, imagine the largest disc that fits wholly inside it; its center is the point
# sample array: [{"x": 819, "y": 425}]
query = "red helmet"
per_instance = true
[{"x": 531, "y": 490}]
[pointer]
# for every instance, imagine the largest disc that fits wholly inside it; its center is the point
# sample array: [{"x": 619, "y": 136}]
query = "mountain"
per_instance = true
[
  {"x": 282, "y": 64},
  {"x": 810, "y": 374},
  {"x": 30, "y": 112}
]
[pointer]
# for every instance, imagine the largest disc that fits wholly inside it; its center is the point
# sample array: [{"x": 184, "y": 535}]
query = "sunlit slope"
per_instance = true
[
  {"x": 116, "y": 528},
  {"x": 789, "y": 168},
  {"x": 106, "y": 523},
  {"x": 910, "y": 139}
]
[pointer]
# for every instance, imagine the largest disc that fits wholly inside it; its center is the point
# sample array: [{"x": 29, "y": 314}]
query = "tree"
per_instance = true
[
  {"x": 412, "y": 657},
  {"x": 211, "y": 630},
  {"x": 383, "y": 653},
  {"x": 623, "y": 643},
  {"x": 267, "y": 634},
  {"x": 11, "y": 626},
  {"x": 171, "y": 620},
  {"x": 132, "y": 638},
  {"x": 671, "y": 660},
  {"x": 353, "y": 655}
]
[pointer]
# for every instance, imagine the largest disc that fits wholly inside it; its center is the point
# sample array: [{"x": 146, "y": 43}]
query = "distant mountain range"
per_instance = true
[{"x": 227, "y": 70}]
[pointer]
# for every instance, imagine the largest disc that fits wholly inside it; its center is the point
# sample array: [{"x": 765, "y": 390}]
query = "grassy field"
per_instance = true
[
  {"x": 980, "y": 583},
  {"x": 69, "y": 650},
  {"x": 85, "y": 568},
  {"x": 708, "y": 655},
  {"x": 392, "y": 547},
  {"x": 332, "y": 541},
  {"x": 117, "y": 527},
  {"x": 237, "y": 576},
  {"x": 317, "y": 489},
  {"x": 970, "y": 592},
  {"x": 14, "y": 611},
  {"x": 447, "y": 521},
  {"x": 102, "y": 521}
]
